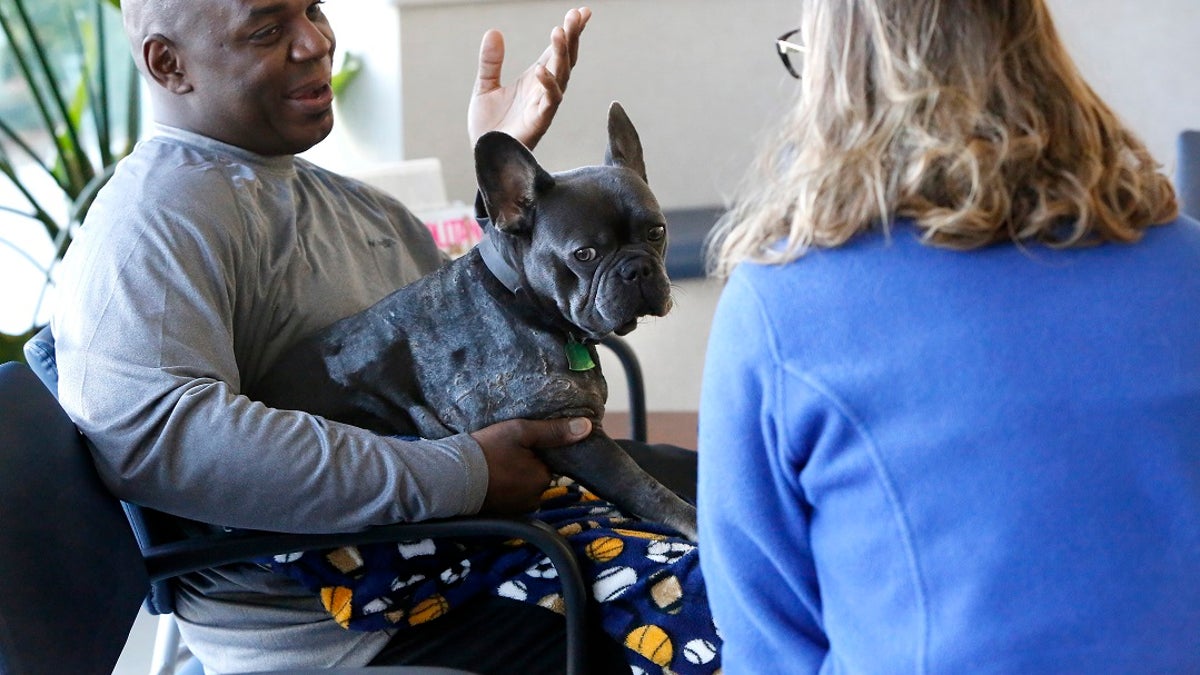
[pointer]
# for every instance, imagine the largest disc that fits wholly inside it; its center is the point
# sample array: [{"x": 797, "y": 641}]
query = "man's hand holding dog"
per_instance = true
[{"x": 516, "y": 477}]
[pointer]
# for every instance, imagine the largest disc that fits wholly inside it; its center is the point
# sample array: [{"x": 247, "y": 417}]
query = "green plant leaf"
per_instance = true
[
  {"x": 92, "y": 96},
  {"x": 346, "y": 71},
  {"x": 39, "y": 214},
  {"x": 52, "y": 94},
  {"x": 32, "y": 81},
  {"x": 77, "y": 115},
  {"x": 17, "y": 140}
]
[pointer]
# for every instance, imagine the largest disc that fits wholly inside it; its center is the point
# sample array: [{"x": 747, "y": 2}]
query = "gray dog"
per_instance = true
[{"x": 508, "y": 330}]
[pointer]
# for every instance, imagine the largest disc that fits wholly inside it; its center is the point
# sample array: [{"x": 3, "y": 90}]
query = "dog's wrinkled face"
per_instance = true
[
  {"x": 592, "y": 241},
  {"x": 607, "y": 271}
]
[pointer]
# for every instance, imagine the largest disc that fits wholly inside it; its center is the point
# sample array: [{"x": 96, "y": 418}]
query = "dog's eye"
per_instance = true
[
  {"x": 656, "y": 233},
  {"x": 587, "y": 254}
]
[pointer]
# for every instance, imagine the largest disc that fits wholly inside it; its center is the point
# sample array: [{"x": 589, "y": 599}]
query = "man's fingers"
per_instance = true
[
  {"x": 575, "y": 21},
  {"x": 491, "y": 59},
  {"x": 557, "y": 64},
  {"x": 563, "y": 52},
  {"x": 557, "y": 433},
  {"x": 552, "y": 90}
]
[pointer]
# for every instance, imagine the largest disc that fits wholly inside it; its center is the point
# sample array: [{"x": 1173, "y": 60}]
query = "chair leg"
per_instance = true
[
  {"x": 166, "y": 646},
  {"x": 171, "y": 656}
]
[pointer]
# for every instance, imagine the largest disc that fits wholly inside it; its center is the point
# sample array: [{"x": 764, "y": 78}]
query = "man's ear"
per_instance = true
[
  {"x": 164, "y": 65},
  {"x": 624, "y": 146},
  {"x": 510, "y": 180}
]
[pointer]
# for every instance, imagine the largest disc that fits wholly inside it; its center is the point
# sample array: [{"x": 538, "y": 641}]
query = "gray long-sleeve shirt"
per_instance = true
[{"x": 199, "y": 263}]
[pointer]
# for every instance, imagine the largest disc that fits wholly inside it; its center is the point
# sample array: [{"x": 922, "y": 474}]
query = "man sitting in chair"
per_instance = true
[{"x": 212, "y": 250}]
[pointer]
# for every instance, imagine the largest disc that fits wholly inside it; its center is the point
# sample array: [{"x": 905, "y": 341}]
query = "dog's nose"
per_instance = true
[{"x": 636, "y": 269}]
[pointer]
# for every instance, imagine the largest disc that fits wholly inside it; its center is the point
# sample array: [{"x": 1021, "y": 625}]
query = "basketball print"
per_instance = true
[
  {"x": 337, "y": 602},
  {"x": 428, "y": 609},
  {"x": 651, "y": 642},
  {"x": 605, "y": 549}
]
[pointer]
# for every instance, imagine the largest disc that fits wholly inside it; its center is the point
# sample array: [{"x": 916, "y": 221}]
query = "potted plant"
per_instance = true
[
  {"x": 70, "y": 109},
  {"x": 69, "y": 112}
]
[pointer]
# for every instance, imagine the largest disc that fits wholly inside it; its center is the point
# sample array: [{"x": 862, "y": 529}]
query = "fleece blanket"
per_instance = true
[{"x": 645, "y": 577}]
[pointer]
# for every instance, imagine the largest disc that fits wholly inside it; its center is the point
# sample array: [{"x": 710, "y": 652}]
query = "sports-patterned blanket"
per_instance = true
[{"x": 645, "y": 577}]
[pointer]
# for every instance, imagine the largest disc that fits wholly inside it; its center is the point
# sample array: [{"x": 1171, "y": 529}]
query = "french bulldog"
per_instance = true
[{"x": 508, "y": 330}]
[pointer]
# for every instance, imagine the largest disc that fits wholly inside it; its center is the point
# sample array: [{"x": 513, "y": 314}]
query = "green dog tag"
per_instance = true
[{"x": 578, "y": 356}]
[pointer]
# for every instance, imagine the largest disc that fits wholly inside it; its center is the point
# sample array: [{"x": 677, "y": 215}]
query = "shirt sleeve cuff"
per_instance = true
[{"x": 475, "y": 465}]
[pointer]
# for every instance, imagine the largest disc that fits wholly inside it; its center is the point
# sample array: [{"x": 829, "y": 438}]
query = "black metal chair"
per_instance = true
[{"x": 75, "y": 575}]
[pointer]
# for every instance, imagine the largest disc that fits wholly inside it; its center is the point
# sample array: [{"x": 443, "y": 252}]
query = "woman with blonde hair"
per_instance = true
[{"x": 950, "y": 419}]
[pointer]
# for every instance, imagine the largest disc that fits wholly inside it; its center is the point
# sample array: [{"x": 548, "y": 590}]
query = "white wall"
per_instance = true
[
  {"x": 1143, "y": 57},
  {"x": 699, "y": 78},
  {"x": 368, "y": 129},
  {"x": 701, "y": 81}
]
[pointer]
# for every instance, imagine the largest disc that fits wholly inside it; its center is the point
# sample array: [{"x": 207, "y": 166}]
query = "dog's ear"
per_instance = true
[
  {"x": 624, "y": 146},
  {"x": 510, "y": 180}
]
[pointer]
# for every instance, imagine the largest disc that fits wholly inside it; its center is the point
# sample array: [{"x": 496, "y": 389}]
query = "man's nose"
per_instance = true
[{"x": 314, "y": 41}]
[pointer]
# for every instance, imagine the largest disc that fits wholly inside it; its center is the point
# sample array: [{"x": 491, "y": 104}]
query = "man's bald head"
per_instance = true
[
  {"x": 144, "y": 18},
  {"x": 250, "y": 73}
]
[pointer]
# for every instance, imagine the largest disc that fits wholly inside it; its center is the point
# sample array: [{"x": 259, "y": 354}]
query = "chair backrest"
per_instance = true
[
  {"x": 73, "y": 576},
  {"x": 635, "y": 385},
  {"x": 1187, "y": 172},
  {"x": 150, "y": 527},
  {"x": 39, "y": 352}
]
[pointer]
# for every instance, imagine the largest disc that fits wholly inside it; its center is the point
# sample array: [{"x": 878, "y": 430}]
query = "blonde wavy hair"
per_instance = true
[{"x": 966, "y": 115}]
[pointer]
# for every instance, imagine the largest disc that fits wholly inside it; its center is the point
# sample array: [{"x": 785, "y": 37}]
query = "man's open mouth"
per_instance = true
[{"x": 313, "y": 93}]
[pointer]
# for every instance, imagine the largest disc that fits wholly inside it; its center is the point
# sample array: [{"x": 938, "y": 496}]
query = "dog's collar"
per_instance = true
[
  {"x": 494, "y": 260},
  {"x": 578, "y": 355}
]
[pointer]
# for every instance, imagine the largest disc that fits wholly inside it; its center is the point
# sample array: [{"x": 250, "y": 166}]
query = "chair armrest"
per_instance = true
[{"x": 168, "y": 560}]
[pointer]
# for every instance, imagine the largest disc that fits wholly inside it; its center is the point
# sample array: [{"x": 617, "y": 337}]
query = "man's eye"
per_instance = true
[
  {"x": 265, "y": 34},
  {"x": 315, "y": 8},
  {"x": 587, "y": 254}
]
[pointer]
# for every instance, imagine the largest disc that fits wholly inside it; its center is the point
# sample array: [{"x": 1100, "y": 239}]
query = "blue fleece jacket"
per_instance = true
[{"x": 916, "y": 460}]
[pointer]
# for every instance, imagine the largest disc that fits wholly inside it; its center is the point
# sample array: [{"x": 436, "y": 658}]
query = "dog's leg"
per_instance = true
[{"x": 603, "y": 467}]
